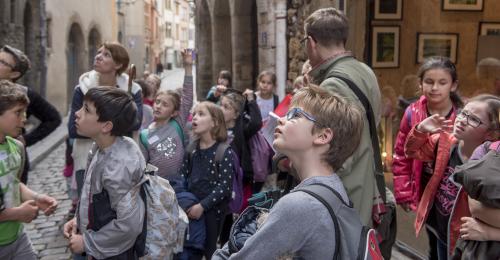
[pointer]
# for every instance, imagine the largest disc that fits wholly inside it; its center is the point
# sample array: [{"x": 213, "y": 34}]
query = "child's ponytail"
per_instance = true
[{"x": 456, "y": 99}]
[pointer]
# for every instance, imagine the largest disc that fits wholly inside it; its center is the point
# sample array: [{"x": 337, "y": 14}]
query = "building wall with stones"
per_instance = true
[
  {"x": 299, "y": 10},
  {"x": 133, "y": 31},
  {"x": 75, "y": 31},
  {"x": 20, "y": 28}
]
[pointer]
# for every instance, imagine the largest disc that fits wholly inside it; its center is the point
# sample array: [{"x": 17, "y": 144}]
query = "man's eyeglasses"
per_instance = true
[
  {"x": 6, "y": 64},
  {"x": 303, "y": 40},
  {"x": 297, "y": 113},
  {"x": 472, "y": 120}
]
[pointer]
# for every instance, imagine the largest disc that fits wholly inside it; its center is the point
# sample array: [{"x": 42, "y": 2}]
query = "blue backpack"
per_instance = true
[{"x": 236, "y": 201}]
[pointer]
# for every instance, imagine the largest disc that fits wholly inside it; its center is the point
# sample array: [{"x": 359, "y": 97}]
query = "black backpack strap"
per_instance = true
[
  {"x": 219, "y": 153},
  {"x": 373, "y": 133},
  {"x": 323, "y": 194},
  {"x": 189, "y": 152}
]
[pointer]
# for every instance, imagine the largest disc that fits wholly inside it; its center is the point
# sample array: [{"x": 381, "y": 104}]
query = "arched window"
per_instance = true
[
  {"x": 12, "y": 11},
  {"x": 94, "y": 43}
]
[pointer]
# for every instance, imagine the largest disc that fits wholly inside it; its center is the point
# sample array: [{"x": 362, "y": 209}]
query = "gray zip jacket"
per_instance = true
[{"x": 117, "y": 169}]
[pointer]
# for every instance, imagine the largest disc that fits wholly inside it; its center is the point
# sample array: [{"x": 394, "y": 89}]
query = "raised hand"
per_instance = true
[
  {"x": 187, "y": 57},
  {"x": 248, "y": 93},
  {"x": 435, "y": 124}
]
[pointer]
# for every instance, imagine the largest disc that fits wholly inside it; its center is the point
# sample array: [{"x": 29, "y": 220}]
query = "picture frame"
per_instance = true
[
  {"x": 437, "y": 44},
  {"x": 489, "y": 28},
  {"x": 463, "y": 5},
  {"x": 388, "y": 10},
  {"x": 385, "y": 46}
]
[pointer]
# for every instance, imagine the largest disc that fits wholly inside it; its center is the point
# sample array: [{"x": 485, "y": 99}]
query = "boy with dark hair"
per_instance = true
[
  {"x": 109, "y": 217},
  {"x": 320, "y": 131},
  {"x": 13, "y": 65},
  {"x": 19, "y": 203}
]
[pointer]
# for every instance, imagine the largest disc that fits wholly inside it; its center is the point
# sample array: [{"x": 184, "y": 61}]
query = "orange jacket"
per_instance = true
[{"x": 421, "y": 146}]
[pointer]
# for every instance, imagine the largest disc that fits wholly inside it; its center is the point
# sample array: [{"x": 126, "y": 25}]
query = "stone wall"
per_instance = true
[
  {"x": 299, "y": 10},
  {"x": 65, "y": 14},
  {"x": 24, "y": 34}
]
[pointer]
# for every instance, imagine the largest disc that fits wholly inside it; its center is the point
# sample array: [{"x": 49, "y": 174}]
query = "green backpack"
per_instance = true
[{"x": 143, "y": 136}]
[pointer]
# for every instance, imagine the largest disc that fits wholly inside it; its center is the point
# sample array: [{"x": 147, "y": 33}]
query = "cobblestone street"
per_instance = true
[{"x": 46, "y": 232}]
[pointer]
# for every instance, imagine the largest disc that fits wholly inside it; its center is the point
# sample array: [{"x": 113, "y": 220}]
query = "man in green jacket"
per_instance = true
[{"x": 326, "y": 32}]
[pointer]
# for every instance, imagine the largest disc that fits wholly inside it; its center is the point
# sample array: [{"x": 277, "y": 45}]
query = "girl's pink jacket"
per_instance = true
[{"x": 407, "y": 172}]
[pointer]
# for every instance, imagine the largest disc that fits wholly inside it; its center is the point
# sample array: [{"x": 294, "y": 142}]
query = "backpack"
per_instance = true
[
  {"x": 143, "y": 135},
  {"x": 384, "y": 204},
  {"x": 236, "y": 201},
  {"x": 261, "y": 154},
  {"x": 480, "y": 178},
  {"x": 349, "y": 232},
  {"x": 165, "y": 222}
]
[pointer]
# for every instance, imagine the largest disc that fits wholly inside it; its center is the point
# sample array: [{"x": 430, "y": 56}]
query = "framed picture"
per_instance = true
[
  {"x": 385, "y": 47},
  {"x": 489, "y": 29},
  {"x": 388, "y": 9},
  {"x": 463, "y": 5},
  {"x": 341, "y": 5},
  {"x": 437, "y": 44}
]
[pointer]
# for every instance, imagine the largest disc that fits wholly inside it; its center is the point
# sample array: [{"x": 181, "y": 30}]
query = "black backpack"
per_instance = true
[{"x": 348, "y": 227}]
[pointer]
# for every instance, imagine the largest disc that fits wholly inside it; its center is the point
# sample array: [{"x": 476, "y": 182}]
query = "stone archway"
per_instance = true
[
  {"x": 32, "y": 44},
  {"x": 244, "y": 35},
  {"x": 94, "y": 42},
  {"x": 3, "y": 11},
  {"x": 204, "y": 76},
  {"x": 221, "y": 37},
  {"x": 29, "y": 44},
  {"x": 75, "y": 54}
]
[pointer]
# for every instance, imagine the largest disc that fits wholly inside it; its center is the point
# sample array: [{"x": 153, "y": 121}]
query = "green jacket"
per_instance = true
[{"x": 357, "y": 172}]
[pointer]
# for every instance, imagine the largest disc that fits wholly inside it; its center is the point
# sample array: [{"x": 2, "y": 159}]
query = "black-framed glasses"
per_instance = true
[
  {"x": 472, "y": 120},
  {"x": 303, "y": 40},
  {"x": 297, "y": 112},
  {"x": 6, "y": 64}
]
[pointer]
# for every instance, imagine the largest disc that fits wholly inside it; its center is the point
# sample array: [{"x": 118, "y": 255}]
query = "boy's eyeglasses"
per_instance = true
[
  {"x": 472, "y": 120},
  {"x": 6, "y": 64},
  {"x": 297, "y": 113}
]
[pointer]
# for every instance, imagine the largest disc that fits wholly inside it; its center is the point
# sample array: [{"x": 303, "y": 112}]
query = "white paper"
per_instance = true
[{"x": 268, "y": 129}]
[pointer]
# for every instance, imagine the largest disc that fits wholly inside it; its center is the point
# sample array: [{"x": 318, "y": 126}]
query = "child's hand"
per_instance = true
[
  {"x": 187, "y": 57},
  {"x": 473, "y": 229},
  {"x": 435, "y": 124},
  {"x": 47, "y": 204},
  {"x": 219, "y": 90},
  {"x": 248, "y": 94},
  {"x": 195, "y": 211},
  {"x": 69, "y": 228},
  {"x": 76, "y": 243},
  {"x": 27, "y": 211}
]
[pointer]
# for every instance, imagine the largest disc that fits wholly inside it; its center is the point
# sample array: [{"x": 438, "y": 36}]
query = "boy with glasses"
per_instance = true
[
  {"x": 319, "y": 132},
  {"x": 13, "y": 65}
]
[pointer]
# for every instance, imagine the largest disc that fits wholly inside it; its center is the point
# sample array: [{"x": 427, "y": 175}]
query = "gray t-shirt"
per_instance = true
[
  {"x": 298, "y": 225},
  {"x": 265, "y": 106}
]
